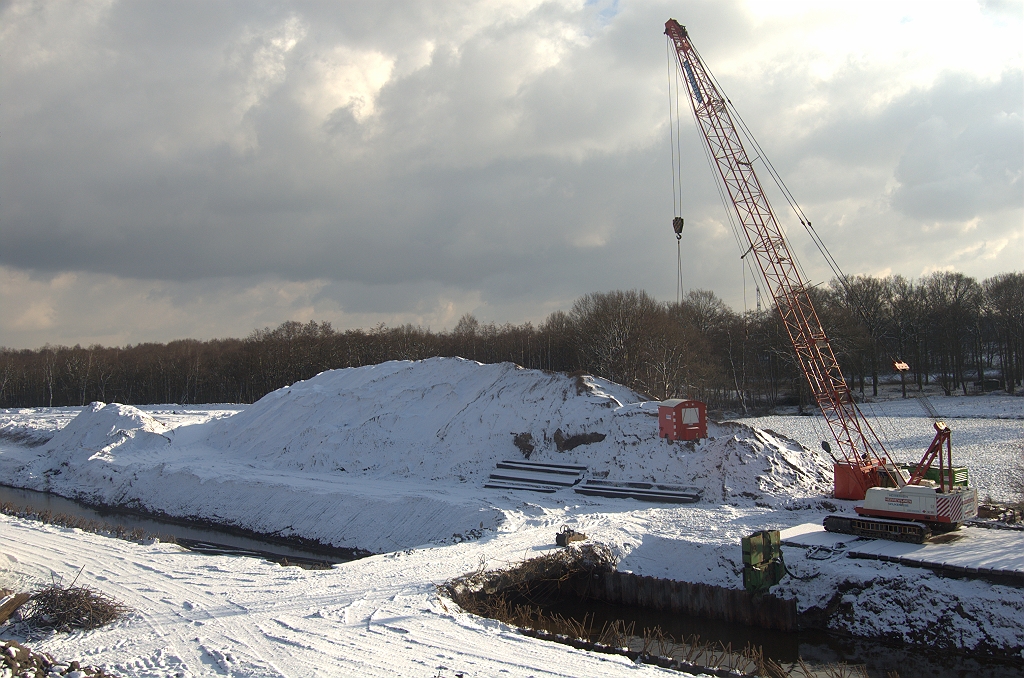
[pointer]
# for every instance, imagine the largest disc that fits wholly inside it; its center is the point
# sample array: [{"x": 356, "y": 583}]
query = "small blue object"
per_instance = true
[{"x": 693, "y": 82}]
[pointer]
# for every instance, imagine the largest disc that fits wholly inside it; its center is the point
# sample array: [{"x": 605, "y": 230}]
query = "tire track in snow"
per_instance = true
[{"x": 222, "y": 616}]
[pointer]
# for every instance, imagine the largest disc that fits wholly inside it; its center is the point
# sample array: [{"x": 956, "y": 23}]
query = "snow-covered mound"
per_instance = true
[
  {"x": 395, "y": 455},
  {"x": 452, "y": 419},
  {"x": 106, "y": 433},
  {"x": 739, "y": 461},
  {"x": 101, "y": 438},
  {"x": 431, "y": 419}
]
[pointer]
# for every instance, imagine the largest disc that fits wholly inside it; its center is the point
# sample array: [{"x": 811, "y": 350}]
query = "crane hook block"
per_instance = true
[{"x": 677, "y": 226}]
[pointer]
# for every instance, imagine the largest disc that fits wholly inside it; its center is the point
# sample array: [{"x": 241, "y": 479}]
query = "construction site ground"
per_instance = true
[{"x": 394, "y": 459}]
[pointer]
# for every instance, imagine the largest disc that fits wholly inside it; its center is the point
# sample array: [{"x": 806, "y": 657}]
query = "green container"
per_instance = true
[
  {"x": 761, "y": 547},
  {"x": 762, "y": 560},
  {"x": 959, "y": 474},
  {"x": 753, "y": 550},
  {"x": 758, "y": 578},
  {"x": 755, "y": 578}
]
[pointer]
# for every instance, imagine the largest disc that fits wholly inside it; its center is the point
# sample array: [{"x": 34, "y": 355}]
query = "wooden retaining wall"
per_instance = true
[{"x": 698, "y": 600}]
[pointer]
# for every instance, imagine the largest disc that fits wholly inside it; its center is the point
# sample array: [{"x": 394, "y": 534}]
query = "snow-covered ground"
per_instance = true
[
  {"x": 988, "y": 435},
  {"x": 392, "y": 458}
]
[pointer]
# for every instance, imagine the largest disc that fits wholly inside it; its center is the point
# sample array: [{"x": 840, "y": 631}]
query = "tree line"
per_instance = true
[{"x": 952, "y": 331}]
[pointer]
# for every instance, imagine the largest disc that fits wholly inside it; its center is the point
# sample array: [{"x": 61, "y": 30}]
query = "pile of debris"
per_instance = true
[
  {"x": 535, "y": 578},
  {"x": 21, "y": 661},
  {"x": 1006, "y": 513},
  {"x": 60, "y": 608},
  {"x": 68, "y": 608}
]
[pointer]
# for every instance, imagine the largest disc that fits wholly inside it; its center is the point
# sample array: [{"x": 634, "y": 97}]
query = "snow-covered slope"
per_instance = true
[
  {"x": 438, "y": 418},
  {"x": 452, "y": 419},
  {"x": 409, "y": 442}
]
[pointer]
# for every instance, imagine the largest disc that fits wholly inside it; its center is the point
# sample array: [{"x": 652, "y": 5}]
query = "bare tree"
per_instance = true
[
  {"x": 610, "y": 329},
  {"x": 1004, "y": 302},
  {"x": 905, "y": 306},
  {"x": 954, "y": 303}
]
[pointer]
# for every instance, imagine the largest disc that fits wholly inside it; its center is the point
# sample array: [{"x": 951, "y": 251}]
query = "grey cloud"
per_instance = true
[
  {"x": 876, "y": 180},
  {"x": 955, "y": 148},
  {"x": 965, "y": 160},
  {"x": 138, "y": 175},
  {"x": 189, "y": 142}
]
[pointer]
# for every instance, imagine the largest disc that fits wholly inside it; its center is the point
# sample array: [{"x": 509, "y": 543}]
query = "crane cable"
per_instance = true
[
  {"x": 760, "y": 155},
  {"x": 672, "y": 116},
  {"x": 787, "y": 194},
  {"x": 677, "y": 174},
  {"x": 790, "y": 199},
  {"x": 856, "y": 299},
  {"x": 726, "y": 202},
  {"x": 679, "y": 271},
  {"x": 798, "y": 211}
]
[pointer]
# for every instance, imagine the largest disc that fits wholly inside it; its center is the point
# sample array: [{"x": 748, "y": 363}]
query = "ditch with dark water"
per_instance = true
[
  {"x": 814, "y": 647},
  {"x": 192, "y": 535},
  {"x": 817, "y": 648}
]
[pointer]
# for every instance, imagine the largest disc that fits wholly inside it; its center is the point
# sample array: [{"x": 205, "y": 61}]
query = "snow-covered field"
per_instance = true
[
  {"x": 988, "y": 435},
  {"x": 392, "y": 458}
]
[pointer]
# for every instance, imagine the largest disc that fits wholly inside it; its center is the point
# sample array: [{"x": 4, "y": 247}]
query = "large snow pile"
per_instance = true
[
  {"x": 432, "y": 419},
  {"x": 327, "y": 458},
  {"x": 452, "y": 419}
]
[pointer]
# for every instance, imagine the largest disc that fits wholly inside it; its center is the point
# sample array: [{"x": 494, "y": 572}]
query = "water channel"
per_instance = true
[
  {"x": 201, "y": 538},
  {"x": 814, "y": 647}
]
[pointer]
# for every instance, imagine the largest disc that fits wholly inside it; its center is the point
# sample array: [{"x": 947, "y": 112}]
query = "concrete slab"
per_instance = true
[
  {"x": 970, "y": 548},
  {"x": 884, "y": 549}
]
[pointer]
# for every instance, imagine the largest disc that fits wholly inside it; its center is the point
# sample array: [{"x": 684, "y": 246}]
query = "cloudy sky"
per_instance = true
[{"x": 177, "y": 169}]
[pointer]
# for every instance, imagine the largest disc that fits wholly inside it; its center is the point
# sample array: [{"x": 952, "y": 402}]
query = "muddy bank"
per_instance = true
[{"x": 342, "y": 554}]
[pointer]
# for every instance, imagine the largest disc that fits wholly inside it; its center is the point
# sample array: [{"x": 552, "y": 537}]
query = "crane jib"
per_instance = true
[
  {"x": 866, "y": 471},
  {"x": 864, "y": 456},
  {"x": 693, "y": 81}
]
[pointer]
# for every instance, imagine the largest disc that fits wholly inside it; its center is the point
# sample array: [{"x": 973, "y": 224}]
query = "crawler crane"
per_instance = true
[{"x": 897, "y": 505}]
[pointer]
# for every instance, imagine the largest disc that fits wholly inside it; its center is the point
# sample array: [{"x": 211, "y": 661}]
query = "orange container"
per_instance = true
[{"x": 852, "y": 482}]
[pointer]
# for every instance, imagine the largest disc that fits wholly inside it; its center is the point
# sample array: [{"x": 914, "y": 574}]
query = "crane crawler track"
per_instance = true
[{"x": 878, "y": 528}]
